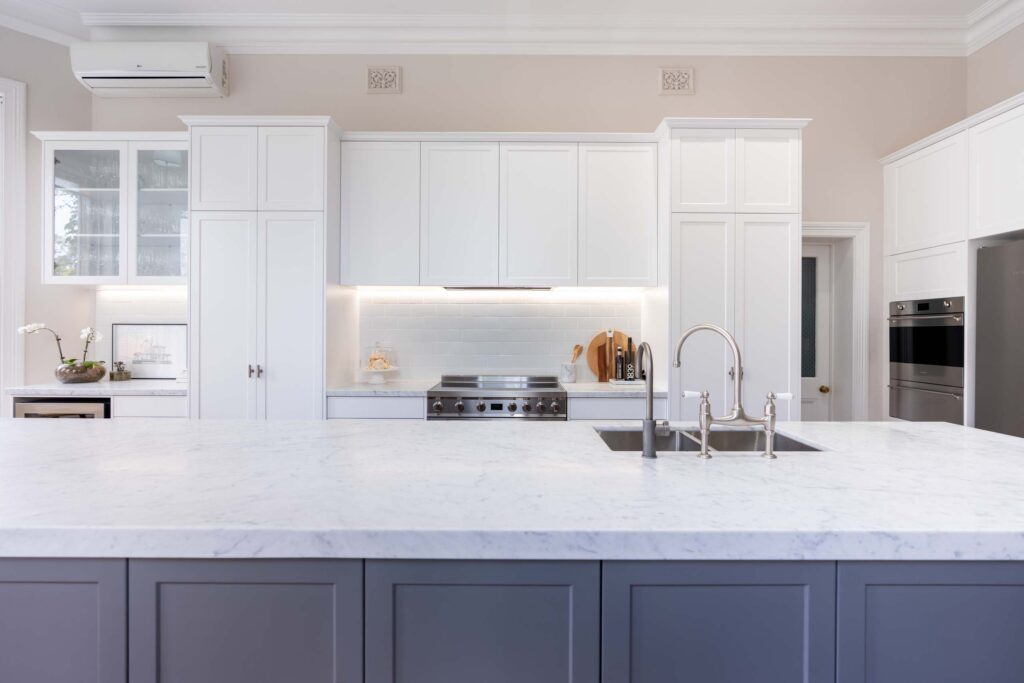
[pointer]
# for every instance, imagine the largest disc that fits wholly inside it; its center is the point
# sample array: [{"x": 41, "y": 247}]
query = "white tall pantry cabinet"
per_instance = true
[
  {"x": 264, "y": 210},
  {"x": 734, "y": 202}
]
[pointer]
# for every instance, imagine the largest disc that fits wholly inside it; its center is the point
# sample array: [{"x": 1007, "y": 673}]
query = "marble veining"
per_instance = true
[
  {"x": 131, "y": 387},
  {"x": 417, "y": 489}
]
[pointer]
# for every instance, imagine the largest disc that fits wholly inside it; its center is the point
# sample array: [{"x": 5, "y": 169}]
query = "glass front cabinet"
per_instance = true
[{"x": 115, "y": 210}]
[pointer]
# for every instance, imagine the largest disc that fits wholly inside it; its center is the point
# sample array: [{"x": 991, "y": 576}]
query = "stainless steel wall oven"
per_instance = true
[{"x": 926, "y": 360}]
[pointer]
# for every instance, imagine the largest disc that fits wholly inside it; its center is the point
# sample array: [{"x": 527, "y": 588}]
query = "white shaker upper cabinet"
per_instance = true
[
  {"x": 224, "y": 164},
  {"x": 290, "y": 345},
  {"x": 703, "y": 171},
  {"x": 927, "y": 274},
  {"x": 997, "y": 174},
  {"x": 291, "y": 168},
  {"x": 768, "y": 309},
  {"x": 618, "y": 218},
  {"x": 767, "y": 171},
  {"x": 538, "y": 218},
  {"x": 703, "y": 271},
  {"x": 223, "y": 303},
  {"x": 459, "y": 214},
  {"x": 380, "y": 213},
  {"x": 85, "y": 212},
  {"x": 926, "y": 195},
  {"x": 158, "y": 222}
]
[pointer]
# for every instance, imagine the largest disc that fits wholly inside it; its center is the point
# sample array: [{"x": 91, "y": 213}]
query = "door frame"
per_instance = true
[
  {"x": 860, "y": 234},
  {"x": 12, "y": 238}
]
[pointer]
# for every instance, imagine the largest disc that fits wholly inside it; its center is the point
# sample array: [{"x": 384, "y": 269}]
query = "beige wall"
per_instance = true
[
  {"x": 863, "y": 108},
  {"x": 996, "y": 71},
  {"x": 55, "y": 102}
]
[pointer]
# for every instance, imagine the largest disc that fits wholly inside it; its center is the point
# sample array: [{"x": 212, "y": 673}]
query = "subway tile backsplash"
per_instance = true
[{"x": 435, "y": 332}]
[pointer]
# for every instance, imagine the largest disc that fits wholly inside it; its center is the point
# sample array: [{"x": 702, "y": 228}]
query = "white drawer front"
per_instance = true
[
  {"x": 394, "y": 407},
  {"x": 615, "y": 408},
  {"x": 149, "y": 406}
]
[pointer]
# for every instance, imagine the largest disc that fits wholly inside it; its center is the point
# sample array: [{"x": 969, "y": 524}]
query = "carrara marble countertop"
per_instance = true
[
  {"x": 131, "y": 387},
  {"x": 500, "y": 490},
  {"x": 412, "y": 387}
]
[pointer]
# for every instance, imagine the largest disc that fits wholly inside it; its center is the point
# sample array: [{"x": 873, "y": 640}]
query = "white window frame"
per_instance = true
[{"x": 12, "y": 238}]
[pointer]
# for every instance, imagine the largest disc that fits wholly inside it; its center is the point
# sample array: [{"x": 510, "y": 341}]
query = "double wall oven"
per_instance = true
[{"x": 926, "y": 360}]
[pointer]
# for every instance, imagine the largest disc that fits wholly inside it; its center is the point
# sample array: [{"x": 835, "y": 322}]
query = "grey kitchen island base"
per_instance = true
[{"x": 321, "y": 621}]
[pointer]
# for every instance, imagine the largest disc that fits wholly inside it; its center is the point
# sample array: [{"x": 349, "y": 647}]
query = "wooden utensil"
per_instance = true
[
  {"x": 597, "y": 353},
  {"x": 576, "y": 351}
]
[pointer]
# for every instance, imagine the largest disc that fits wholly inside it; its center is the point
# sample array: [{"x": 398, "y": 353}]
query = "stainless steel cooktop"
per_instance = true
[{"x": 496, "y": 396}]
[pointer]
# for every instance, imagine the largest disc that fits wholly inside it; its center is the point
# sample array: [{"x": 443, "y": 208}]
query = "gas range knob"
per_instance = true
[
  {"x": 541, "y": 408},
  {"x": 527, "y": 407},
  {"x": 555, "y": 407},
  {"x": 512, "y": 407},
  {"x": 460, "y": 406},
  {"x": 480, "y": 407},
  {"x": 438, "y": 406}
]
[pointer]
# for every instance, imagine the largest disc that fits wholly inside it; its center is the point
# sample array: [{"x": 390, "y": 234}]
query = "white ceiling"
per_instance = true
[{"x": 664, "y": 27}]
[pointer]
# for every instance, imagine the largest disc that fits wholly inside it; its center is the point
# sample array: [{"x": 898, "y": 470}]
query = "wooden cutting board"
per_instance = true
[{"x": 600, "y": 362}]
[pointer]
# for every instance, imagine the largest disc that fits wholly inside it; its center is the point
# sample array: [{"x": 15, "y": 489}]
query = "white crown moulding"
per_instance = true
[{"x": 294, "y": 33}]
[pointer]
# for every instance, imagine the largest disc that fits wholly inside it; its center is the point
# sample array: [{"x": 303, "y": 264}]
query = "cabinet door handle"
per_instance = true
[
  {"x": 250, "y": 371},
  {"x": 259, "y": 371}
]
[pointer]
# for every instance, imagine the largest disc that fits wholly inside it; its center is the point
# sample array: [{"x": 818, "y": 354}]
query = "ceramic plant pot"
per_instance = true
[{"x": 79, "y": 374}]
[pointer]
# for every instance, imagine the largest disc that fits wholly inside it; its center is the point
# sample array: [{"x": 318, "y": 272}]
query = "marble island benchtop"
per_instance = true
[
  {"x": 412, "y": 387},
  {"x": 500, "y": 490},
  {"x": 131, "y": 387}
]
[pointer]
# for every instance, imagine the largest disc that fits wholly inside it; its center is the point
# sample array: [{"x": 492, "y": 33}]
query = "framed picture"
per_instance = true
[{"x": 151, "y": 351}]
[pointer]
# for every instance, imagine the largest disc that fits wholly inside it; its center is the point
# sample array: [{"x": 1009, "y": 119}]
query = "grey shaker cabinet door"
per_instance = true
[
  {"x": 718, "y": 622},
  {"x": 935, "y": 622},
  {"x": 482, "y": 621},
  {"x": 245, "y": 621},
  {"x": 62, "y": 621}
]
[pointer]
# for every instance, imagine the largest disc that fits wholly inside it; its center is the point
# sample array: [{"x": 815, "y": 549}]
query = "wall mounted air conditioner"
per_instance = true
[{"x": 151, "y": 69}]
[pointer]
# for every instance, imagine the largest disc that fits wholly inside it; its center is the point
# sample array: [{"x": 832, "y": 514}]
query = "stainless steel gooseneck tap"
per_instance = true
[
  {"x": 643, "y": 352},
  {"x": 737, "y": 415}
]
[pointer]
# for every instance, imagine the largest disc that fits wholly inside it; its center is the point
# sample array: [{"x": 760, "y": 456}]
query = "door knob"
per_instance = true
[{"x": 824, "y": 388}]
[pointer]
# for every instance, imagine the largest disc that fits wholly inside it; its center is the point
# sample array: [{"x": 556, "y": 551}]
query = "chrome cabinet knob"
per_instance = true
[{"x": 512, "y": 407}]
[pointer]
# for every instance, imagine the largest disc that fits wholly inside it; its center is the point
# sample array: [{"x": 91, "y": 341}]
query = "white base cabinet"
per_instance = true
[{"x": 615, "y": 408}]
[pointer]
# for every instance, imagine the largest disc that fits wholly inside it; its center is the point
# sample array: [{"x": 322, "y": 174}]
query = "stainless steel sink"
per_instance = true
[{"x": 689, "y": 440}]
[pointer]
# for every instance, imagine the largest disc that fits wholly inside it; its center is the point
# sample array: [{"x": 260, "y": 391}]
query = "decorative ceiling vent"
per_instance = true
[
  {"x": 676, "y": 80},
  {"x": 384, "y": 80}
]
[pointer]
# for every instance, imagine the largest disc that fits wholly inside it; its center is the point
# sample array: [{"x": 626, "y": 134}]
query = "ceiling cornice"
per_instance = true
[
  {"x": 992, "y": 20},
  {"x": 43, "y": 20},
  {"x": 293, "y": 33}
]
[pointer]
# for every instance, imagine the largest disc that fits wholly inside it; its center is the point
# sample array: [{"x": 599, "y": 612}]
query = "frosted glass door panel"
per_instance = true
[
  {"x": 161, "y": 219},
  {"x": 86, "y": 212}
]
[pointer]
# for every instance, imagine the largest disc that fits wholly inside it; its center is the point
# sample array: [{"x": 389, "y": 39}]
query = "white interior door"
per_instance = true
[{"x": 816, "y": 332}]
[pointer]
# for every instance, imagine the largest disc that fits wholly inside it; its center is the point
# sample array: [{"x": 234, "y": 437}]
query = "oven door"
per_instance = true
[
  {"x": 927, "y": 349},
  {"x": 918, "y": 402}
]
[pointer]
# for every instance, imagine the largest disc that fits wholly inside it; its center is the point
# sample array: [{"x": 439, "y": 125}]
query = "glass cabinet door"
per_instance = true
[
  {"x": 158, "y": 252},
  {"x": 84, "y": 231}
]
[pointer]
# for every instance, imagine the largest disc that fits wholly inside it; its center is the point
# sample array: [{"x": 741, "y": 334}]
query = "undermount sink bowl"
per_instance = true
[{"x": 689, "y": 440}]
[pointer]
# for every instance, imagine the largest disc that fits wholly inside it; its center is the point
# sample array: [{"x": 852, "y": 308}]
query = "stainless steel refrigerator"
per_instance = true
[{"x": 999, "y": 392}]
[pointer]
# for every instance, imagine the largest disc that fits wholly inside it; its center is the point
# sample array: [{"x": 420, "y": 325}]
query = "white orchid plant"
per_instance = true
[{"x": 89, "y": 335}]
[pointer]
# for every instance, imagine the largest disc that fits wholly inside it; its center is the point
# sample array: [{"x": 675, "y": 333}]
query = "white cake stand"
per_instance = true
[{"x": 378, "y": 376}]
